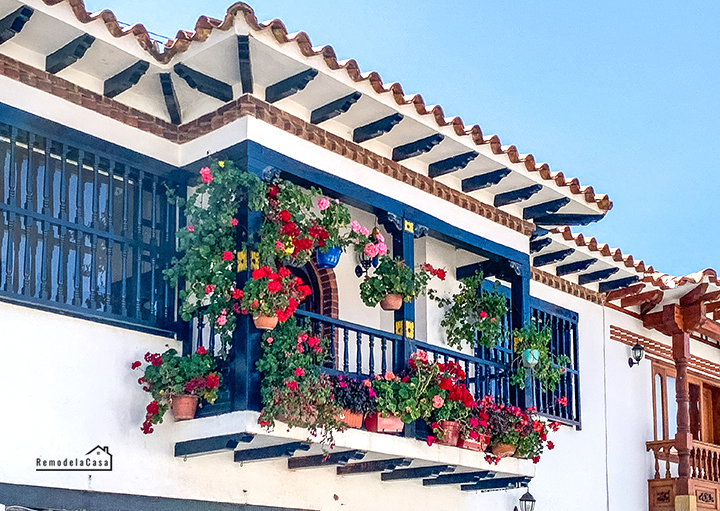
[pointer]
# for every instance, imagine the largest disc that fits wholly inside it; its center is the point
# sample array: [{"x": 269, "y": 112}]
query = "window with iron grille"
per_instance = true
[
  {"x": 563, "y": 324},
  {"x": 83, "y": 232}
]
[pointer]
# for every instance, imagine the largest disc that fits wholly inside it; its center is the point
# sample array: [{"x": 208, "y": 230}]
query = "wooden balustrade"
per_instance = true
[{"x": 704, "y": 459}]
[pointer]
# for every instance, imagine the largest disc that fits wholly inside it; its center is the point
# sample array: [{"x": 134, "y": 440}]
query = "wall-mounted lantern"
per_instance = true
[
  {"x": 527, "y": 502},
  {"x": 637, "y": 355}
]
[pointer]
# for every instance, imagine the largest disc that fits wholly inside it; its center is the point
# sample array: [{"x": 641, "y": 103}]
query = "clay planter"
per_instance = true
[
  {"x": 265, "y": 322},
  {"x": 503, "y": 450},
  {"x": 391, "y": 302},
  {"x": 379, "y": 424},
  {"x": 184, "y": 406},
  {"x": 353, "y": 420},
  {"x": 451, "y": 433},
  {"x": 472, "y": 445}
]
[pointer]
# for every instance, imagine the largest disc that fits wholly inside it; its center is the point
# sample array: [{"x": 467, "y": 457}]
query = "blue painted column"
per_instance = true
[
  {"x": 245, "y": 350},
  {"x": 519, "y": 276}
]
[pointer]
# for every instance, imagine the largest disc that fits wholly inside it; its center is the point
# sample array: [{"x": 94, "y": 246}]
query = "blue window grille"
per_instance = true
[{"x": 84, "y": 233}]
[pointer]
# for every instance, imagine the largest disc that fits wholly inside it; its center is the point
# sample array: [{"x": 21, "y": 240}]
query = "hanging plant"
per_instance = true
[
  {"x": 394, "y": 277},
  {"x": 293, "y": 390},
  {"x": 474, "y": 315},
  {"x": 272, "y": 293},
  {"x": 208, "y": 244},
  {"x": 533, "y": 354}
]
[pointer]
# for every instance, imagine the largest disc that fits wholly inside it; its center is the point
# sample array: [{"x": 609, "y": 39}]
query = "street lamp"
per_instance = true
[{"x": 527, "y": 502}]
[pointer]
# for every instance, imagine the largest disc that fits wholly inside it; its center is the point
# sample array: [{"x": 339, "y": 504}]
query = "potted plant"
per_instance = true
[
  {"x": 474, "y": 431},
  {"x": 393, "y": 282},
  {"x": 177, "y": 382},
  {"x": 354, "y": 398},
  {"x": 390, "y": 394},
  {"x": 331, "y": 232},
  {"x": 452, "y": 405},
  {"x": 292, "y": 389},
  {"x": 531, "y": 345},
  {"x": 474, "y": 316},
  {"x": 272, "y": 296},
  {"x": 504, "y": 425}
]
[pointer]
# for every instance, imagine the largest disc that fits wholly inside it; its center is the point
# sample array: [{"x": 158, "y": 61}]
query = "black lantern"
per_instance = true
[
  {"x": 637, "y": 355},
  {"x": 527, "y": 502}
]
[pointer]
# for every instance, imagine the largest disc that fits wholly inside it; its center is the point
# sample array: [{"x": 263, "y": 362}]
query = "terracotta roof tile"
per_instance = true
[
  {"x": 665, "y": 281},
  {"x": 205, "y": 26}
]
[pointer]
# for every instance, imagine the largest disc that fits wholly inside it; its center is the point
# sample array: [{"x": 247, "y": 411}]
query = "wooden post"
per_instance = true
[{"x": 683, "y": 437}]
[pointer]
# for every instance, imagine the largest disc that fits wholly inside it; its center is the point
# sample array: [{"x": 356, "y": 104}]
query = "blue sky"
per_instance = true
[{"x": 621, "y": 94}]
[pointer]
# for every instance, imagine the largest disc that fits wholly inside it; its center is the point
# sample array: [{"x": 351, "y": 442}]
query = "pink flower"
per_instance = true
[
  {"x": 323, "y": 204},
  {"x": 355, "y": 226},
  {"x": 493, "y": 320},
  {"x": 371, "y": 250},
  {"x": 269, "y": 340},
  {"x": 381, "y": 248},
  {"x": 438, "y": 402},
  {"x": 222, "y": 320},
  {"x": 380, "y": 237},
  {"x": 389, "y": 376},
  {"x": 234, "y": 222},
  {"x": 279, "y": 245},
  {"x": 299, "y": 371},
  {"x": 364, "y": 231},
  {"x": 206, "y": 176},
  {"x": 190, "y": 228},
  {"x": 422, "y": 356},
  {"x": 209, "y": 289}
]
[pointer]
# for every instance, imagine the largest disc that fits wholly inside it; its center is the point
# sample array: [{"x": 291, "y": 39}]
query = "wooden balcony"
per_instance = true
[{"x": 704, "y": 475}]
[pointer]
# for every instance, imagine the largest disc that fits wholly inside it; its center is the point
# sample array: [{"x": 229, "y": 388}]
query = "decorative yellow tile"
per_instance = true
[
  {"x": 254, "y": 260},
  {"x": 242, "y": 261},
  {"x": 409, "y": 226},
  {"x": 410, "y": 329},
  {"x": 398, "y": 327}
]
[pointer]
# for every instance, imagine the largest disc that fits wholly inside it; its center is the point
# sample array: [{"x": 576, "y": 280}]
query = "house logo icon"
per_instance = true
[{"x": 96, "y": 459}]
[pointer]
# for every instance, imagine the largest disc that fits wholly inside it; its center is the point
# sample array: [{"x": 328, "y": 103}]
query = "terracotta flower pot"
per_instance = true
[
  {"x": 391, "y": 302},
  {"x": 265, "y": 322},
  {"x": 379, "y": 424},
  {"x": 352, "y": 420},
  {"x": 451, "y": 433},
  {"x": 473, "y": 445},
  {"x": 503, "y": 450},
  {"x": 184, "y": 406}
]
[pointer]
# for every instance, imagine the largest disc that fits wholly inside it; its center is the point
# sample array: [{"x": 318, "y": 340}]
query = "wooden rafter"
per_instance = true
[
  {"x": 694, "y": 295},
  {"x": 621, "y": 293},
  {"x": 642, "y": 298}
]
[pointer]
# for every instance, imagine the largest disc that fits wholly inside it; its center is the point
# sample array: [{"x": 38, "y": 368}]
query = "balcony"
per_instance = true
[{"x": 704, "y": 475}]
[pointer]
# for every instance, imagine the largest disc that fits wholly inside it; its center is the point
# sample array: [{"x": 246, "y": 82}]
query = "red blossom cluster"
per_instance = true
[
  {"x": 277, "y": 290},
  {"x": 152, "y": 410},
  {"x": 151, "y": 358},
  {"x": 288, "y": 227},
  {"x": 435, "y": 272}
]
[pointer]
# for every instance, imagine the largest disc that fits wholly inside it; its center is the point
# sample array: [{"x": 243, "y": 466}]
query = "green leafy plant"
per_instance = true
[
  {"x": 549, "y": 369},
  {"x": 393, "y": 276},
  {"x": 292, "y": 389},
  {"x": 332, "y": 226},
  {"x": 272, "y": 293},
  {"x": 208, "y": 244},
  {"x": 474, "y": 315},
  {"x": 170, "y": 375}
]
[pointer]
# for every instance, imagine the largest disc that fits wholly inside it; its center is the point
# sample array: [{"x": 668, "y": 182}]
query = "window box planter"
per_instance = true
[
  {"x": 379, "y": 424},
  {"x": 503, "y": 450},
  {"x": 353, "y": 420}
]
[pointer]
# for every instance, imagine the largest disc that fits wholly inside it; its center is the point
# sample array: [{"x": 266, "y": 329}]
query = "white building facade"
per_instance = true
[{"x": 95, "y": 122}]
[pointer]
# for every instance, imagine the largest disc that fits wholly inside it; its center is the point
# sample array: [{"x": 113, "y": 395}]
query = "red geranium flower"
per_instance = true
[
  {"x": 299, "y": 371},
  {"x": 213, "y": 380},
  {"x": 136, "y": 364},
  {"x": 153, "y": 408},
  {"x": 227, "y": 256},
  {"x": 201, "y": 350}
]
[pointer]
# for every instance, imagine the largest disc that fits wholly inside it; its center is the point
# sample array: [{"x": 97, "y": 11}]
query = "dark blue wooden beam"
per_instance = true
[
  {"x": 334, "y": 108},
  {"x": 505, "y": 483},
  {"x": 466, "y": 477},
  {"x": 417, "y": 473},
  {"x": 463, "y": 272},
  {"x": 612, "y": 285},
  {"x": 68, "y": 54},
  {"x": 474, "y": 183},
  {"x": 365, "y": 467},
  {"x": 448, "y": 165},
  {"x": 124, "y": 80},
  {"x": 171, "y": 101},
  {"x": 503, "y": 199},
  {"x": 539, "y": 244},
  {"x": 270, "y": 452},
  {"x": 567, "y": 219},
  {"x": 539, "y": 232},
  {"x": 211, "y": 444},
  {"x": 376, "y": 128},
  {"x": 575, "y": 267},
  {"x": 552, "y": 257},
  {"x": 289, "y": 86},
  {"x": 588, "y": 278},
  {"x": 416, "y": 148},
  {"x": 335, "y": 458},
  {"x": 204, "y": 83},
  {"x": 13, "y": 23},
  {"x": 543, "y": 209},
  {"x": 246, "y": 78}
]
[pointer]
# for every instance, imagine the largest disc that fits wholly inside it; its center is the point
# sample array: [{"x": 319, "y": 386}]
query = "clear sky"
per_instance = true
[{"x": 621, "y": 94}]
